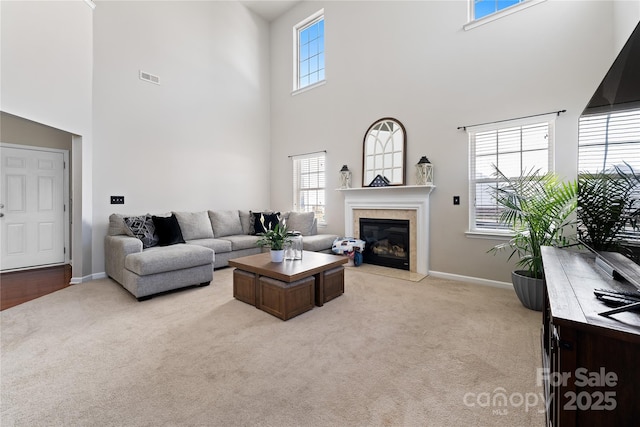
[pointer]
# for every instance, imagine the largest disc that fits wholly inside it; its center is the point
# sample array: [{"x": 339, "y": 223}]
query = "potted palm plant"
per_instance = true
[
  {"x": 538, "y": 208},
  {"x": 275, "y": 238}
]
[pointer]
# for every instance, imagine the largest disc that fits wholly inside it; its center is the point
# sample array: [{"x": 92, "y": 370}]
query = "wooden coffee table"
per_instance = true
[{"x": 288, "y": 288}]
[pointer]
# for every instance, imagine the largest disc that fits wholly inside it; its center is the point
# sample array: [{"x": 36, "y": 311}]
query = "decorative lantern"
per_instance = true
[
  {"x": 293, "y": 251},
  {"x": 424, "y": 172},
  {"x": 345, "y": 177}
]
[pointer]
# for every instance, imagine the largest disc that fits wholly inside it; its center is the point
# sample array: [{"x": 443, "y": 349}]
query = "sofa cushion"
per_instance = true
[
  {"x": 225, "y": 223},
  {"x": 142, "y": 227},
  {"x": 245, "y": 220},
  {"x": 300, "y": 221},
  {"x": 194, "y": 225},
  {"x": 117, "y": 227},
  {"x": 217, "y": 245},
  {"x": 242, "y": 241},
  {"x": 263, "y": 221},
  {"x": 160, "y": 260},
  {"x": 168, "y": 230}
]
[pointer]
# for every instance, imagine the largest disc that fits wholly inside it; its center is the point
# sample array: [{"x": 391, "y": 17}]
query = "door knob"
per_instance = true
[{"x": 1, "y": 214}]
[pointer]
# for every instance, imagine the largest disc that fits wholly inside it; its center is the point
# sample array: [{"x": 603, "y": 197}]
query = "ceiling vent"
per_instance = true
[{"x": 147, "y": 77}]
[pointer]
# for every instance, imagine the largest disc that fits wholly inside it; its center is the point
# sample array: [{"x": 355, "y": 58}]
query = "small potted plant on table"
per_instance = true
[{"x": 275, "y": 238}]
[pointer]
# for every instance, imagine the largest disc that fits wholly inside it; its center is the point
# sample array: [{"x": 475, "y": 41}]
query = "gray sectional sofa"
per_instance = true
[{"x": 150, "y": 254}]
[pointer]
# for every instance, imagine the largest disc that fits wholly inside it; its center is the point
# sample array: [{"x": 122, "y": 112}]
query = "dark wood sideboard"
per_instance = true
[{"x": 591, "y": 363}]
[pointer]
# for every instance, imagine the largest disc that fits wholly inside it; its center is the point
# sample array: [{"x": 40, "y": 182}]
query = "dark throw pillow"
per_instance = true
[
  {"x": 143, "y": 228},
  {"x": 269, "y": 219},
  {"x": 168, "y": 230}
]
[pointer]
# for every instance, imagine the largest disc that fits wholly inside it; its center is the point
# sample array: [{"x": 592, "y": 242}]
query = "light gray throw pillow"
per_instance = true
[
  {"x": 117, "y": 226},
  {"x": 194, "y": 225},
  {"x": 225, "y": 223},
  {"x": 300, "y": 221}
]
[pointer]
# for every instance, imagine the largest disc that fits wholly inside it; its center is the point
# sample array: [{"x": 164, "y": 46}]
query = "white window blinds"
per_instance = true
[
  {"x": 309, "y": 184},
  {"x": 513, "y": 149}
]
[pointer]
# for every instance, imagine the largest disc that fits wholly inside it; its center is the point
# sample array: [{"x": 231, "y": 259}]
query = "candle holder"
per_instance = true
[
  {"x": 345, "y": 177},
  {"x": 424, "y": 172}
]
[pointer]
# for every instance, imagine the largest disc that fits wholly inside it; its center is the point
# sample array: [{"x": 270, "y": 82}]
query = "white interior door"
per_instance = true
[{"x": 31, "y": 208}]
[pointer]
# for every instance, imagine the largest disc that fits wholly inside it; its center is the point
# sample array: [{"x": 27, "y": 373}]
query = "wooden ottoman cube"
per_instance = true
[
  {"x": 244, "y": 286},
  {"x": 333, "y": 282},
  {"x": 286, "y": 300}
]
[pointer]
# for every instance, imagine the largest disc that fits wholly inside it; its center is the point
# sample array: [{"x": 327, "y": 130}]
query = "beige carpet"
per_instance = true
[
  {"x": 388, "y": 352},
  {"x": 389, "y": 272}
]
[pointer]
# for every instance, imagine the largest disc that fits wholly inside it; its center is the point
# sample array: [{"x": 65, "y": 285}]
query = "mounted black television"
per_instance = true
[{"x": 609, "y": 167}]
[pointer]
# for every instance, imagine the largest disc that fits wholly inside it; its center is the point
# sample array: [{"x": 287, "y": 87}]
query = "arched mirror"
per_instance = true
[{"x": 383, "y": 155}]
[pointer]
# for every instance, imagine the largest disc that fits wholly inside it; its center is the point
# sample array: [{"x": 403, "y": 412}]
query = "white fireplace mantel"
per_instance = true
[{"x": 407, "y": 197}]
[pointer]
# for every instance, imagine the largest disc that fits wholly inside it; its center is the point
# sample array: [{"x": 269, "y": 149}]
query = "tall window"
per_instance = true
[
  {"x": 482, "y": 8},
  {"x": 309, "y": 184},
  {"x": 514, "y": 149},
  {"x": 309, "y": 51}
]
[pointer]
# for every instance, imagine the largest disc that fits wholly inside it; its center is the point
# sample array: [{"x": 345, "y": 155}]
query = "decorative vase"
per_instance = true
[
  {"x": 530, "y": 291},
  {"x": 293, "y": 248},
  {"x": 277, "y": 256}
]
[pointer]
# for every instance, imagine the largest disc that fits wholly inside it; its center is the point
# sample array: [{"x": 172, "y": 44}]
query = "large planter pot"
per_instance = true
[
  {"x": 277, "y": 256},
  {"x": 529, "y": 290}
]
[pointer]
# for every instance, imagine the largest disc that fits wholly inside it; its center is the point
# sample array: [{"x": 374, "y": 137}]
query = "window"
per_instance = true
[
  {"x": 484, "y": 11},
  {"x": 512, "y": 149},
  {"x": 482, "y": 8},
  {"x": 309, "y": 184},
  {"x": 309, "y": 51}
]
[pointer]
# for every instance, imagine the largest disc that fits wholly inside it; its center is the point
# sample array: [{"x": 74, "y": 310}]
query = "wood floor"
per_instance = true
[{"x": 22, "y": 286}]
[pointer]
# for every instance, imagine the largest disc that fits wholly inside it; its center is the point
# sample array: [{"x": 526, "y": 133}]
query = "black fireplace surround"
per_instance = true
[{"x": 387, "y": 242}]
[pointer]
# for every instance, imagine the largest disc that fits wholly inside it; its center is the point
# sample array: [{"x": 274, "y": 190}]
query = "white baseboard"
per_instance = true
[
  {"x": 469, "y": 279},
  {"x": 88, "y": 278},
  {"x": 436, "y": 274}
]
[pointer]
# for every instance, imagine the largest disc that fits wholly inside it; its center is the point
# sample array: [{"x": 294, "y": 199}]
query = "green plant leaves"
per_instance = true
[
  {"x": 275, "y": 237},
  {"x": 538, "y": 207}
]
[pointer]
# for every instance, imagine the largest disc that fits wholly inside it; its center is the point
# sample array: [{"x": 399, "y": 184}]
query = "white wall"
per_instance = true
[
  {"x": 626, "y": 15},
  {"x": 46, "y": 76},
  {"x": 413, "y": 61},
  {"x": 200, "y": 139}
]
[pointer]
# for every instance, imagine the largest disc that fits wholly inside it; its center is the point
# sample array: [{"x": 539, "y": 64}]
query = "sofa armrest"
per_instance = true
[
  {"x": 318, "y": 242},
  {"x": 116, "y": 249}
]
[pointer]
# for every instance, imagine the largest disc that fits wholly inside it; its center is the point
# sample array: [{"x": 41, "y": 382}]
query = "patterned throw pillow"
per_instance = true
[
  {"x": 269, "y": 219},
  {"x": 142, "y": 227}
]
